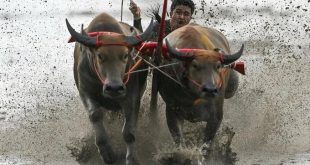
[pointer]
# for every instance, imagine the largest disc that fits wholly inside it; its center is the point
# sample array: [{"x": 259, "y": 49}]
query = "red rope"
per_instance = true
[
  {"x": 97, "y": 72},
  {"x": 135, "y": 66}
]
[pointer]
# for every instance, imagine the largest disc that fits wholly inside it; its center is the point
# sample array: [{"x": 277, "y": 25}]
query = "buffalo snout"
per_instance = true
[
  {"x": 114, "y": 90},
  {"x": 210, "y": 91}
]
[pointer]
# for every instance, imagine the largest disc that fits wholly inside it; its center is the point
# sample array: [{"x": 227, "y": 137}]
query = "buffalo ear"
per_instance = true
[
  {"x": 184, "y": 78},
  {"x": 133, "y": 32},
  {"x": 219, "y": 50},
  {"x": 83, "y": 31},
  {"x": 85, "y": 49}
]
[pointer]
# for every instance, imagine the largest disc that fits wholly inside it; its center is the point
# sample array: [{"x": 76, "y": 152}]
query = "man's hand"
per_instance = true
[{"x": 135, "y": 10}]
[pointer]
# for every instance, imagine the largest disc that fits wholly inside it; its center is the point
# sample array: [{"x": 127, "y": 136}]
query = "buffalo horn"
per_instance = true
[
  {"x": 135, "y": 40},
  {"x": 227, "y": 59},
  {"x": 83, "y": 39},
  {"x": 179, "y": 55}
]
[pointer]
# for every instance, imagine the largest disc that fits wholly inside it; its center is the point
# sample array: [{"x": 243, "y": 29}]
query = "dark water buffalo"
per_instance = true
[
  {"x": 204, "y": 77},
  {"x": 101, "y": 61}
]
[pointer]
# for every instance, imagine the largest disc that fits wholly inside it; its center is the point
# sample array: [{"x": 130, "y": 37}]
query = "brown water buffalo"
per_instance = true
[
  {"x": 202, "y": 80},
  {"x": 101, "y": 62}
]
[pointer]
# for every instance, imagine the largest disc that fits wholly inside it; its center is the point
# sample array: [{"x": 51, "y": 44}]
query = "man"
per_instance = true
[
  {"x": 181, "y": 12},
  {"x": 135, "y": 10}
]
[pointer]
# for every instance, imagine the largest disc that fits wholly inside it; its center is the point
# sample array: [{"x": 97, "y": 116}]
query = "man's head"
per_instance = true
[
  {"x": 188, "y": 3},
  {"x": 181, "y": 12}
]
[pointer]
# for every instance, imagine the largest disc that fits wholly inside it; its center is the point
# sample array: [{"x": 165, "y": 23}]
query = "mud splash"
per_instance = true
[
  {"x": 155, "y": 147},
  {"x": 41, "y": 115}
]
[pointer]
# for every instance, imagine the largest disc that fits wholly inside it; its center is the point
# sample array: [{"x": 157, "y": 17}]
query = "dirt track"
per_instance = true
[{"x": 41, "y": 114}]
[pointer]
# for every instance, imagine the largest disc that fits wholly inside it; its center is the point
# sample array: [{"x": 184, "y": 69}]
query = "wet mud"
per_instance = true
[
  {"x": 42, "y": 120},
  {"x": 158, "y": 148}
]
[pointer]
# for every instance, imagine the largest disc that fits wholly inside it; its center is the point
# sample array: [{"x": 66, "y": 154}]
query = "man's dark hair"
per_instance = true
[{"x": 188, "y": 3}]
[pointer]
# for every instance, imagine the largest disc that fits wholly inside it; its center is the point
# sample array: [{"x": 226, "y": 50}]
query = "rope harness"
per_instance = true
[
  {"x": 147, "y": 46},
  {"x": 128, "y": 73}
]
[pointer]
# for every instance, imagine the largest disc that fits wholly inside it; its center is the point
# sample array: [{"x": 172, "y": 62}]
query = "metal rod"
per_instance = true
[{"x": 122, "y": 11}]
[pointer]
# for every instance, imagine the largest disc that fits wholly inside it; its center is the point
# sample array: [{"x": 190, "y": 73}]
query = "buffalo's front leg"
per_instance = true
[
  {"x": 174, "y": 124},
  {"x": 95, "y": 113},
  {"x": 213, "y": 123},
  {"x": 129, "y": 130}
]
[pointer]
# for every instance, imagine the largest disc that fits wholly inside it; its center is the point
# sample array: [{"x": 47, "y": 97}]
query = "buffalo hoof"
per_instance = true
[
  {"x": 109, "y": 157},
  {"x": 132, "y": 161},
  {"x": 206, "y": 148},
  {"x": 175, "y": 159}
]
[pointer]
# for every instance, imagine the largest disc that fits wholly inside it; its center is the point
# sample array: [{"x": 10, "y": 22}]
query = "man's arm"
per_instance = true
[
  {"x": 135, "y": 10},
  {"x": 137, "y": 24}
]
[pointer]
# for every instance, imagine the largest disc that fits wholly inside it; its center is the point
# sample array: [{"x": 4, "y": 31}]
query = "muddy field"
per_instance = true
[{"x": 42, "y": 120}]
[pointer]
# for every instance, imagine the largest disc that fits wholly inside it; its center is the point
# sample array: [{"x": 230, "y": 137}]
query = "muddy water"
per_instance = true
[{"x": 41, "y": 115}]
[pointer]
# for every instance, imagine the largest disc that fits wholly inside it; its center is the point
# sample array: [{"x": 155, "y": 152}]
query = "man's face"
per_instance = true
[{"x": 180, "y": 16}]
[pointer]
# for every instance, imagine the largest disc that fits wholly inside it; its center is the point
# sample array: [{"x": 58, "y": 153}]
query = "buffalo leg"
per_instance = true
[
  {"x": 213, "y": 123},
  {"x": 175, "y": 125},
  {"x": 153, "y": 104},
  {"x": 129, "y": 129},
  {"x": 102, "y": 141}
]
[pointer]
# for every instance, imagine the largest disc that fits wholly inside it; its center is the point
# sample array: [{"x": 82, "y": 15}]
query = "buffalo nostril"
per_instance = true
[
  {"x": 120, "y": 89},
  {"x": 212, "y": 91},
  {"x": 215, "y": 92},
  {"x": 115, "y": 88}
]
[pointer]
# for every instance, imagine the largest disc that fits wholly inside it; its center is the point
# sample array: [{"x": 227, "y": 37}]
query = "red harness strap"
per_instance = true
[
  {"x": 95, "y": 34},
  {"x": 100, "y": 43}
]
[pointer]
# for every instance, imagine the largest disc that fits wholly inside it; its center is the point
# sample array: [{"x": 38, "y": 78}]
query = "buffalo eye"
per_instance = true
[
  {"x": 125, "y": 56},
  {"x": 195, "y": 65},
  {"x": 101, "y": 58}
]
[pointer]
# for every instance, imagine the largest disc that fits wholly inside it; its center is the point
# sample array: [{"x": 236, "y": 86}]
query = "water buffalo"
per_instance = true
[
  {"x": 201, "y": 82},
  {"x": 101, "y": 63}
]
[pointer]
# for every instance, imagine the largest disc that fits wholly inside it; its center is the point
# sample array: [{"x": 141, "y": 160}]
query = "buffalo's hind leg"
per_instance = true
[{"x": 103, "y": 144}]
